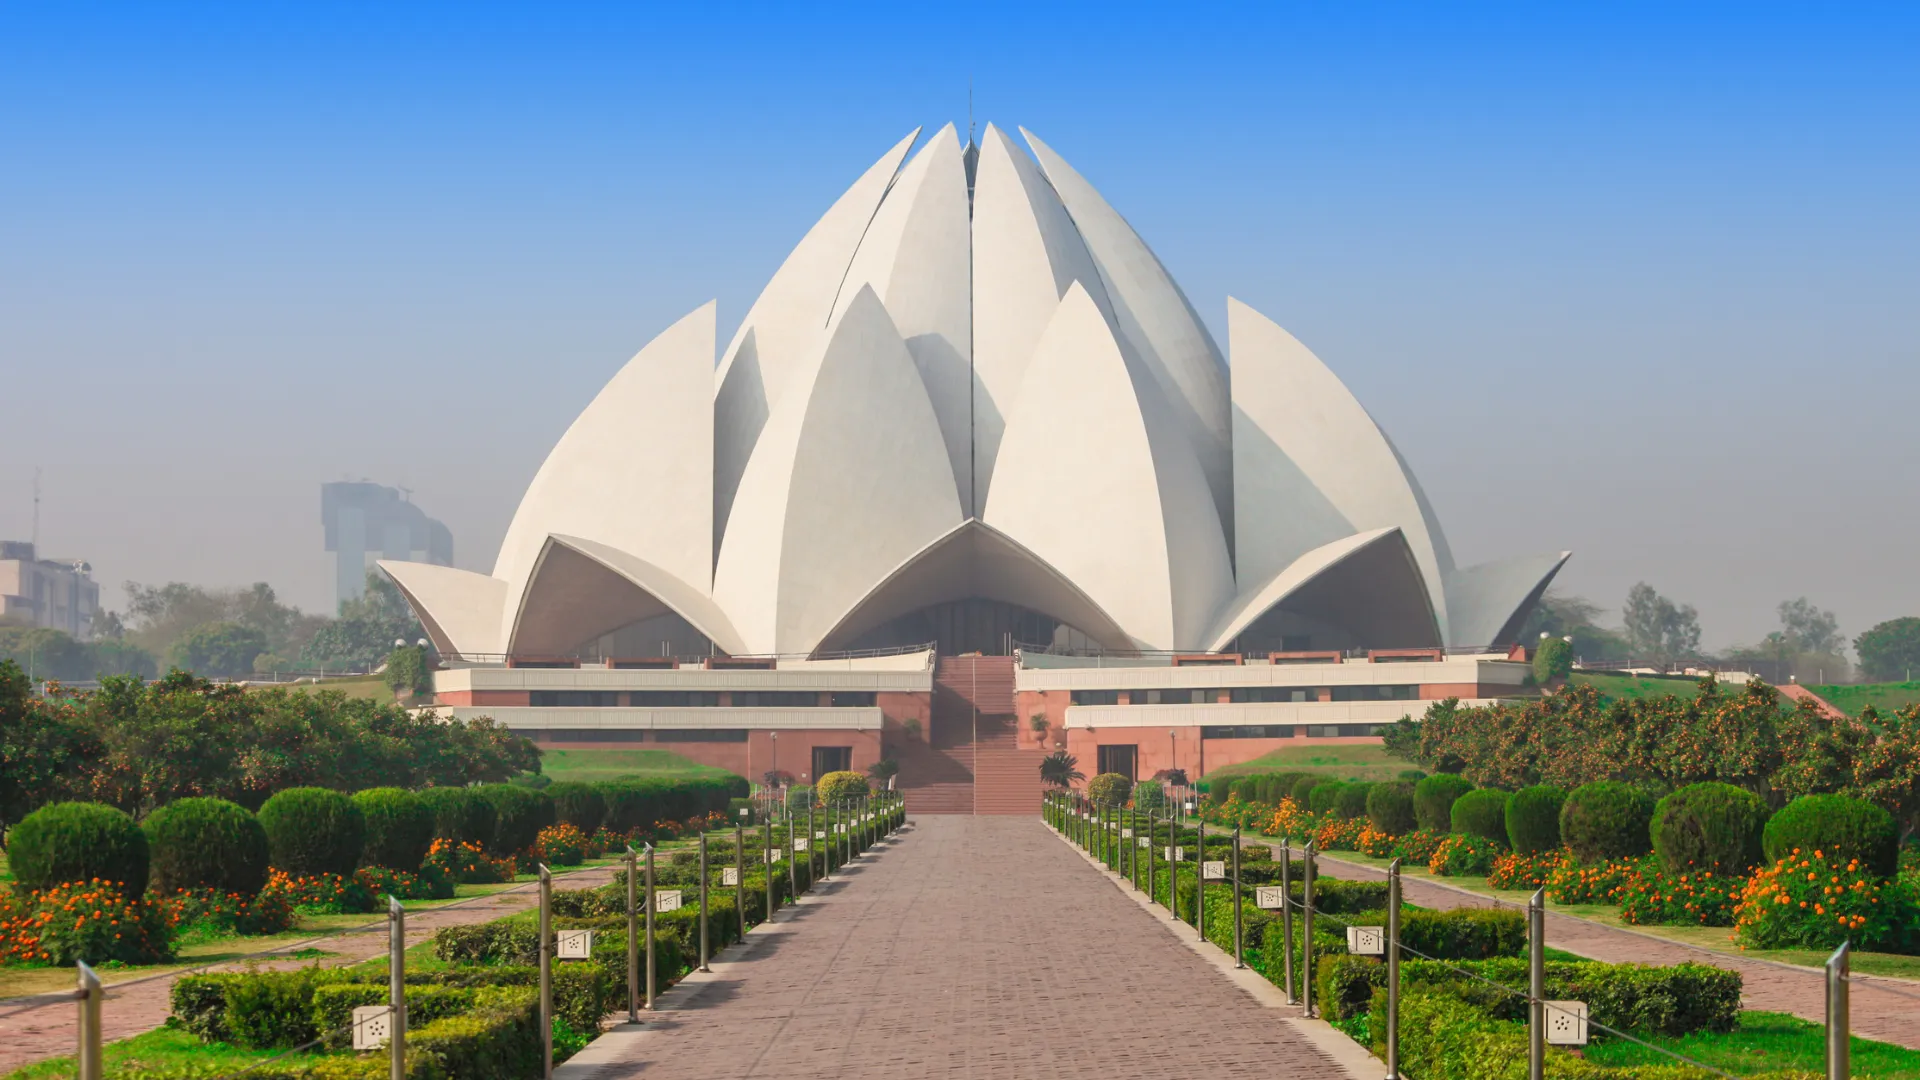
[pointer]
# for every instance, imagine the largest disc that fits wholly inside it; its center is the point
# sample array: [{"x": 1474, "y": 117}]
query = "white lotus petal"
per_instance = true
[
  {"x": 1366, "y": 586},
  {"x": 1488, "y": 603},
  {"x": 459, "y": 608},
  {"x": 579, "y": 590}
]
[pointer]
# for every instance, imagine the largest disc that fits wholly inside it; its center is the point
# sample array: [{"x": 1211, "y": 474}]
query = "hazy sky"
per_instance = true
[{"x": 1640, "y": 283}]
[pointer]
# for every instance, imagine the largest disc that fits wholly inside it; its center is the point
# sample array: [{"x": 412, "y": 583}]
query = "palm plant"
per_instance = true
[{"x": 1058, "y": 770}]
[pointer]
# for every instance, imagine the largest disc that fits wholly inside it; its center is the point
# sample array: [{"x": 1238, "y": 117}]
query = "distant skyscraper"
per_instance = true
[
  {"x": 59, "y": 594},
  {"x": 367, "y": 522}
]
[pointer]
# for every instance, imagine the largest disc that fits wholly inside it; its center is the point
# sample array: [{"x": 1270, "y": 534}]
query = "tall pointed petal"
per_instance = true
[
  {"x": 1490, "y": 602},
  {"x": 580, "y": 590},
  {"x": 1096, "y": 479},
  {"x": 849, "y": 480},
  {"x": 1360, "y": 591},
  {"x": 785, "y": 325},
  {"x": 459, "y": 609}
]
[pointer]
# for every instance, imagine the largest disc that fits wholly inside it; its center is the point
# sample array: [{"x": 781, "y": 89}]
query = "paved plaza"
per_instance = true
[{"x": 967, "y": 947}]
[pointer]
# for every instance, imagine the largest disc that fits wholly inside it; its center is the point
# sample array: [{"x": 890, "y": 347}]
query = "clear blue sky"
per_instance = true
[{"x": 1640, "y": 282}]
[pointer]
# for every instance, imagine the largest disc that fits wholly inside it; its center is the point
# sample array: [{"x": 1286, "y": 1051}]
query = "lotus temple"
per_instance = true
[{"x": 972, "y": 482}]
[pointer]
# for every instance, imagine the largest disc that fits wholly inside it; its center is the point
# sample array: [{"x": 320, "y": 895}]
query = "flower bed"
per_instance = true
[
  {"x": 1514, "y": 871},
  {"x": 1571, "y": 883},
  {"x": 1463, "y": 856},
  {"x": 200, "y": 914},
  {"x": 321, "y": 894},
  {"x": 1811, "y": 901},
  {"x": 91, "y": 921},
  {"x": 1650, "y": 896}
]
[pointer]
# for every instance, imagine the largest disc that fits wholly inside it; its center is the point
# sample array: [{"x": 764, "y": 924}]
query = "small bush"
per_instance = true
[
  {"x": 519, "y": 815},
  {"x": 91, "y": 920},
  {"x": 1606, "y": 820},
  {"x": 576, "y": 804},
  {"x": 1351, "y": 804},
  {"x": 1533, "y": 819},
  {"x": 800, "y": 797},
  {"x": 1247, "y": 789},
  {"x": 460, "y": 814},
  {"x": 1418, "y": 846},
  {"x": 1652, "y": 895},
  {"x": 1552, "y": 661},
  {"x": 1816, "y": 900},
  {"x": 465, "y": 864},
  {"x": 203, "y": 913},
  {"x": 1841, "y": 828},
  {"x": 1152, "y": 795},
  {"x": 321, "y": 894},
  {"x": 1280, "y": 786},
  {"x": 561, "y": 845},
  {"x": 399, "y": 828},
  {"x": 1572, "y": 883},
  {"x": 1709, "y": 826},
  {"x": 1390, "y": 808},
  {"x": 1324, "y": 796},
  {"x": 1433, "y": 801},
  {"x": 1460, "y": 855},
  {"x": 1516, "y": 871},
  {"x": 1109, "y": 789},
  {"x": 313, "y": 831},
  {"x": 1302, "y": 789},
  {"x": 1482, "y": 812},
  {"x": 207, "y": 844},
  {"x": 839, "y": 786},
  {"x": 75, "y": 842}
]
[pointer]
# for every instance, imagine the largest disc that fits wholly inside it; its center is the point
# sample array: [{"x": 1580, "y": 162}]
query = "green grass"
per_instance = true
[
  {"x": 1886, "y": 697},
  {"x": 608, "y": 764},
  {"x": 168, "y": 1050},
  {"x": 1635, "y": 686},
  {"x": 1764, "y": 1042},
  {"x": 1362, "y": 761}
]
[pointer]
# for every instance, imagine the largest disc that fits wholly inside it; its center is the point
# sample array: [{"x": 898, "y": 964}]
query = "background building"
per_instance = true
[
  {"x": 368, "y": 522},
  {"x": 59, "y": 594}
]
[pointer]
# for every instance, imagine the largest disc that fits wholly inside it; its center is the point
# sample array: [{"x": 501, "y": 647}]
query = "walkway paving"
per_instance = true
[
  {"x": 969, "y": 947},
  {"x": 1884, "y": 1009}
]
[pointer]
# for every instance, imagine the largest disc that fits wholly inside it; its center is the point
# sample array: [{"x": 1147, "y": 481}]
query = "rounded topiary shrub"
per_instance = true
[
  {"x": 1390, "y": 808},
  {"x": 460, "y": 814},
  {"x": 839, "y": 786},
  {"x": 1282, "y": 785},
  {"x": 1433, "y": 801},
  {"x": 1533, "y": 819},
  {"x": 1150, "y": 795},
  {"x": 1606, "y": 820},
  {"x": 313, "y": 830},
  {"x": 1709, "y": 826},
  {"x": 519, "y": 814},
  {"x": 576, "y": 804},
  {"x": 1481, "y": 812},
  {"x": 1302, "y": 789},
  {"x": 78, "y": 841},
  {"x": 1840, "y": 828},
  {"x": 1351, "y": 803},
  {"x": 206, "y": 843},
  {"x": 1247, "y": 789},
  {"x": 1109, "y": 789},
  {"x": 1325, "y": 796},
  {"x": 399, "y": 828}
]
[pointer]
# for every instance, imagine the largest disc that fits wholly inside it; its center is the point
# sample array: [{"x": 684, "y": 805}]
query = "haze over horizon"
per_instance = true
[{"x": 1634, "y": 282}]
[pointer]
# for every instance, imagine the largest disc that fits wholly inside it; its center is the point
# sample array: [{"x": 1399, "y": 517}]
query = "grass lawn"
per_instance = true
[
  {"x": 1886, "y": 696},
  {"x": 1764, "y": 1042},
  {"x": 608, "y": 764},
  {"x": 1363, "y": 761},
  {"x": 1636, "y": 686},
  {"x": 1717, "y": 939},
  {"x": 162, "y": 1050}
]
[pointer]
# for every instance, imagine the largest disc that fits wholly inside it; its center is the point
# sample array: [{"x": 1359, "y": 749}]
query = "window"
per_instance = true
[
  {"x": 700, "y": 735},
  {"x": 596, "y": 734},
  {"x": 1341, "y": 731},
  {"x": 1247, "y": 731},
  {"x": 852, "y": 699},
  {"x": 1170, "y": 697},
  {"x": 1096, "y": 697},
  {"x": 573, "y": 699},
  {"x": 1118, "y": 759},
  {"x": 673, "y": 699},
  {"x": 828, "y": 759},
  {"x": 1374, "y": 693},
  {"x": 775, "y": 699},
  {"x": 1254, "y": 695}
]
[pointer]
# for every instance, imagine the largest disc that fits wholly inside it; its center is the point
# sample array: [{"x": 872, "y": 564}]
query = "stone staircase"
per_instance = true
[{"x": 971, "y": 762}]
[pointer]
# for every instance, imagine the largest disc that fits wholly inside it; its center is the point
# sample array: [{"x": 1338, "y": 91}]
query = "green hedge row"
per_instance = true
[{"x": 1443, "y": 1036}]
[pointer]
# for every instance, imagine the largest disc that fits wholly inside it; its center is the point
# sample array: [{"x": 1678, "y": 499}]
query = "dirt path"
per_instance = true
[{"x": 140, "y": 1005}]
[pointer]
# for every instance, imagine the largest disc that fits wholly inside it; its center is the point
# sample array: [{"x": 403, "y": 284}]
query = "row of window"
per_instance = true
[
  {"x": 698, "y": 699},
  {"x": 1287, "y": 731},
  {"x": 1248, "y": 695},
  {"x": 662, "y": 735}
]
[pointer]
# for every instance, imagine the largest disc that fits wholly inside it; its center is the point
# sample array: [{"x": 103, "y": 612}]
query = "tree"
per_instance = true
[
  {"x": 366, "y": 629},
  {"x": 883, "y": 770},
  {"x": 409, "y": 670},
  {"x": 1552, "y": 661},
  {"x": 41, "y": 748},
  {"x": 1808, "y": 629},
  {"x": 1891, "y": 650},
  {"x": 219, "y": 649},
  {"x": 1574, "y": 616},
  {"x": 1060, "y": 769},
  {"x": 1659, "y": 629}
]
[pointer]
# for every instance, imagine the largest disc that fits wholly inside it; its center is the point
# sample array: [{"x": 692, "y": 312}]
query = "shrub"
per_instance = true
[
  {"x": 1652, "y": 895},
  {"x": 1324, "y": 796},
  {"x": 1109, "y": 789},
  {"x": 465, "y": 864},
  {"x": 381, "y": 881},
  {"x": 203, "y": 913},
  {"x": 1709, "y": 826},
  {"x": 322, "y": 894},
  {"x": 1151, "y": 795},
  {"x": 1433, "y": 801},
  {"x": 1844, "y": 829},
  {"x": 1461, "y": 855},
  {"x": 576, "y": 804},
  {"x": 460, "y": 815},
  {"x": 83, "y": 920},
  {"x": 1302, "y": 789},
  {"x": 1390, "y": 807},
  {"x": 1517, "y": 871},
  {"x": 837, "y": 786},
  {"x": 1816, "y": 900},
  {"x": 313, "y": 831},
  {"x": 1351, "y": 803},
  {"x": 561, "y": 845},
  {"x": 1372, "y": 841},
  {"x": 399, "y": 828},
  {"x": 519, "y": 815},
  {"x": 1606, "y": 820},
  {"x": 1482, "y": 812},
  {"x": 1418, "y": 846},
  {"x": 800, "y": 797},
  {"x": 1552, "y": 661},
  {"x": 75, "y": 842},
  {"x": 204, "y": 843},
  {"x": 1247, "y": 789},
  {"x": 1572, "y": 883},
  {"x": 1280, "y": 785},
  {"x": 1533, "y": 819},
  {"x": 1339, "y": 834}
]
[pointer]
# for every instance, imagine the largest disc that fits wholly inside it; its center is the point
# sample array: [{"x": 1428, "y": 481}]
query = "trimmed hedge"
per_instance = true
[
  {"x": 1351, "y": 804},
  {"x": 1302, "y": 789},
  {"x": 1433, "y": 801},
  {"x": 1390, "y": 808},
  {"x": 1324, "y": 796},
  {"x": 313, "y": 830},
  {"x": 1482, "y": 812},
  {"x": 1533, "y": 819},
  {"x": 460, "y": 814},
  {"x": 78, "y": 841},
  {"x": 1607, "y": 820},
  {"x": 1709, "y": 826},
  {"x": 1151, "y": 795},
  {"x": 1109, "y": 789},
  {"x": 577, "y": 804},
  {"x": 1840, "y": 828},
  {"x": 206, "y": 843},
  {"x": 519, "y": 815},
  {"x": 838, "y": 786},
  {"x": 642, "y": 802},
  {"x": 399, "y": 828}
]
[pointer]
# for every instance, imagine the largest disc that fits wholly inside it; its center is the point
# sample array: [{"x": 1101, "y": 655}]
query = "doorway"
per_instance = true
[
  {"x": 828, "y": 759},
  {"x": 1118, "y": 759}
]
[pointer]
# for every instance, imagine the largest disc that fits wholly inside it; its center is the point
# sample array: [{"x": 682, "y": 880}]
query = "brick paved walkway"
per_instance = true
[
  {"x": 1879, "y": 1009},
  {"x": 970, "y": 947}
]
